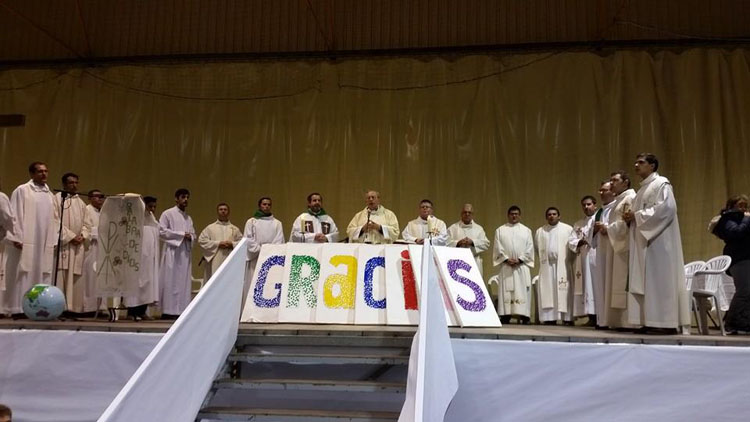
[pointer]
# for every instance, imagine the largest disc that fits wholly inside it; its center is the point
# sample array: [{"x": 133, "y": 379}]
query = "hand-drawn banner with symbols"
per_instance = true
[{"x": 119, "y": 252}]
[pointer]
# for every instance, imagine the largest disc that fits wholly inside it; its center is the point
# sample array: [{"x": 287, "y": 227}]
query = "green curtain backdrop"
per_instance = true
[{"x": 494, "y": 130}]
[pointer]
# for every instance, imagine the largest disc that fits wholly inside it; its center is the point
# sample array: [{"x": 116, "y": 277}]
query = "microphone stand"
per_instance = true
[
  {"x": 367, "y": 233},
  {"x": 63, "y": 195}
]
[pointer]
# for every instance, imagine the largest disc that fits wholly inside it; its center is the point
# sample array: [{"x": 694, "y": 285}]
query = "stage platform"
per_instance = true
[{"x": 577, "y": 334}]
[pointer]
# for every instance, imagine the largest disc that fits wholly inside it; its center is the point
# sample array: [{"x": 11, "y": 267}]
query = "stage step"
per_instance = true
[
  {"x": 311, "y": 376},
  {"x": 324, "y": 340},
  {"x": 320, "y": 358},
  {"x": 306, "y": 384},
  {"x": 283, "y": 415}
]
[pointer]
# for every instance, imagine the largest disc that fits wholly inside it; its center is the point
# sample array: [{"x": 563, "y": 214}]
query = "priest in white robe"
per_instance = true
[
  {"x": 425, "y": 226},
  {"x": 599, "y": 241},
  {"x": 75, "y": 232},
  {"x": 554, "y": 291},
  {"x": 314, "y": 225},
  {"x": 30, "y": 254},
  {"x": 6, "y": 225},
  {"x": 656, "y": 282},
  {"x": 175, "y": 272},
  {"x": 375, "y": 224},
  {"x": 261, "y": 229},
  {"x": 513, "y": 255},
  {"x": 466, "y": 233},
  {"x": 583, "y": 261},
  {"x": 90, "y": 300},
  {"x": 148, "y": 279},
  {"x": 217, "y": 241},
  {"x": 618, "y": 233}
]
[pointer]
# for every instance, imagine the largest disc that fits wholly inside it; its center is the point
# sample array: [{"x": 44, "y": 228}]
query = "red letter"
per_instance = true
[{"x": 410, "y": 285}]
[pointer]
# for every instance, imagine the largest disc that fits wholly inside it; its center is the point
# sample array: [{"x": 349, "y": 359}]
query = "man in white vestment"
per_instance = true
[
  {"x": 466, "y": 233},
  {"x": 616, "y": 230},
  {"x": 426, "y": 226},
  {"x": 29, "y": 257},
  {"x": 177, "y": 232},
  {"x": 89, "y": 299},
  {"x": 375, "y": 224},
  {"x": 579, "y": 243},
  {"x": 148, "y": 283},
  {"x": 6, "y": 225},
  {"x": 658, "y": 299},
  {"x": 602, "y": 263},
  {"x": 71, "y": 249},
  {"x": 554, "y": 288},
  {"x": 260, "y": 229},
  {"x": 314, "y": 225},
  {"x": 217, "y": 241},
  {"x": 513, "y": 253}
]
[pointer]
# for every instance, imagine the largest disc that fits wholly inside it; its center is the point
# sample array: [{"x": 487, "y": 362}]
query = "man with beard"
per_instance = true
[
  {"x": 314, "y": 225},
  {"x": 177, "y": 232},
  {"x": 579, "y": 244}
]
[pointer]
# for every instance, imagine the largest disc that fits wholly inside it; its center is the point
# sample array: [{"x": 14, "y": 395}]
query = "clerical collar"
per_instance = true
[
  {"x": 38, "y": 188},
  {"x": 224, "y": 223},
  {"x": 650, "y": 178},
  {"x": 320, "y": 213},
  {"x": 261, "y": 214},
  {"x": 462, "y": 224}
]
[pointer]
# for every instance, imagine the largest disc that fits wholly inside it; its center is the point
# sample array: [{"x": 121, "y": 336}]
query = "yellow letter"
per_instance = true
[{"x": 347, "y": 283}]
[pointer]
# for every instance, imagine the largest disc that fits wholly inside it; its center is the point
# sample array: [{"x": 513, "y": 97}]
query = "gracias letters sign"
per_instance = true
[{"x": 362, "y": 284}]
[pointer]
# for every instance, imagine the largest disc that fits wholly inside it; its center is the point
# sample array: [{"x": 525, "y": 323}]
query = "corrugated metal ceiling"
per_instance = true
[{"x": 91, "y": 30}]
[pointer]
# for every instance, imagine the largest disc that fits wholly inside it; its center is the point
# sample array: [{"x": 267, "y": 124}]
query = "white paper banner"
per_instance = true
[
  {"x": 371, "y": 299},
  {"x": 119, "y": 246},
  {"x": 301, "y": 272},
  {"x": 264, "y": 296},
  {"x": 338, "y": 284},
  {"x": 314, "y": 283},
  {"x": 465, "y": 286}
]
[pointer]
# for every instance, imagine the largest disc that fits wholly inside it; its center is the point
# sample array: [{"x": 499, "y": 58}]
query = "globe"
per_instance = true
[{"x": 43, "y": 302}]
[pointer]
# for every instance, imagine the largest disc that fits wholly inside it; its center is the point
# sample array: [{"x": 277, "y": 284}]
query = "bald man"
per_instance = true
[
  {"x": 466, "y": 233},
  {"x": 375, "y": 224}
]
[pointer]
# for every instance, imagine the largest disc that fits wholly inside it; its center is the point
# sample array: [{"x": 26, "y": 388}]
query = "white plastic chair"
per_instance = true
[
  {"x": 705, "y": 286},
  {"x": 690, "y": 270}
]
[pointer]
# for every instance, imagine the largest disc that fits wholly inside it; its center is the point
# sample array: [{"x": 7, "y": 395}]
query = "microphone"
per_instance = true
[{"x": 65, "y": 193}]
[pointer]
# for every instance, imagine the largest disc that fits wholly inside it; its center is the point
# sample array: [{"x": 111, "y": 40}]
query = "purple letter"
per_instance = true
[{"x": 480, "y": 303}]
